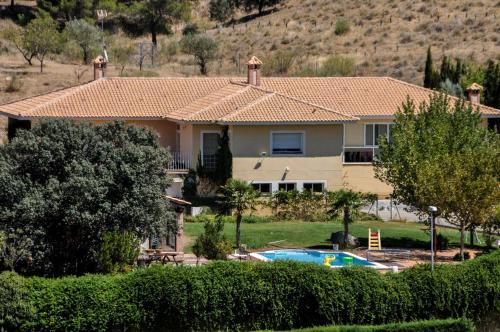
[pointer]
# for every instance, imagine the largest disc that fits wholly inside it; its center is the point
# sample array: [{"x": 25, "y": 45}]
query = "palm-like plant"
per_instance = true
[
  {"x": 238, "y": 196},
  {"x": 348, "y": 203}
]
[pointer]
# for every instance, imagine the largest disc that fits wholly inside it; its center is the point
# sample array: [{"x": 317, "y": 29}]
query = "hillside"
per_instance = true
[{"x": 386, "y": 38}]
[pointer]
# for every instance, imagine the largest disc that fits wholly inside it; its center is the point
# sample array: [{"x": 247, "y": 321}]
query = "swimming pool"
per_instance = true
[{"x": 335, "y": 259}]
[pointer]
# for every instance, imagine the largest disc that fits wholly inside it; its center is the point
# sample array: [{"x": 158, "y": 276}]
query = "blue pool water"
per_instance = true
[{"x": 338, "y": 259}]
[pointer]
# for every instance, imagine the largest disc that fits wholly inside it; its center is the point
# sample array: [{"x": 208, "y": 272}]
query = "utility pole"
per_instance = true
[
  {"x": 432, "y": 211},
  {"x": 101, "y": 15}
]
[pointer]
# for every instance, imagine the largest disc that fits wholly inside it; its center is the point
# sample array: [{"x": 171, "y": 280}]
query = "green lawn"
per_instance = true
[{"x": 316, "y": 235}]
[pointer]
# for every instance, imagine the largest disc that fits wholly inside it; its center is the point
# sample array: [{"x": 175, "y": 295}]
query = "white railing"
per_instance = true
[
  {"x": 359, "y": 154},
  {"x": 179, "y": 161}
]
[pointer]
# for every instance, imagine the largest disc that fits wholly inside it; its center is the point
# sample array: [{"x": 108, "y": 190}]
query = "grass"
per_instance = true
[{"x": 317, "y": 235}]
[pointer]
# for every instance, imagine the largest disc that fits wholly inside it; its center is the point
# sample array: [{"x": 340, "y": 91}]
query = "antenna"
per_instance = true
[{"x": 101, "y": 15}]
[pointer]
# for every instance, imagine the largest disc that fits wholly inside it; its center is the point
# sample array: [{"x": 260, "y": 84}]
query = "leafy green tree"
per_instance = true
[
  {"x": 122, "y": 55},
  {"x": 68, "y": 9},
  {"x": 16, "y": 36},
  {"x": 85, "y": 35},
  {"x": 224, "y": 166},
  {"x": 238, "y": 196},
  {"x": 221, "y": 10},
  {"x": 64, "y": 185},
  {"x": 156, "y": 15},
  {"x": 202, "y": 47},
  {"x": 118, "y": 252},
  {"x": 41, "y": 37},
  {"x": 348, "y": 203},
  {"x": 441, "y": 155}
]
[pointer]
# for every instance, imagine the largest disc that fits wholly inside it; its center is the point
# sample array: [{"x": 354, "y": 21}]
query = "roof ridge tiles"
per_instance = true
[{"x": 242, "y": 109}]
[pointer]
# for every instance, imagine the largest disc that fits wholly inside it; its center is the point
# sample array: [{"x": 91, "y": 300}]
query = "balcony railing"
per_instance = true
[
  {"x": 179, "y": 161},
  {"x": 359, "y": 154}
]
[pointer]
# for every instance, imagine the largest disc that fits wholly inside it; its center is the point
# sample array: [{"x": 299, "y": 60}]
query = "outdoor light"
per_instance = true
[{"x": 432, "y": 210}]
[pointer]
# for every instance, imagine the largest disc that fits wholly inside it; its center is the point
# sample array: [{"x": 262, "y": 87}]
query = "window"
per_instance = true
[
  {"x": 264, "y": 188},
  {"x": 210, "y": 144},
  {"x": 373, "y": 132},
  {"x": 287, "y": 143},
  {"x": 314, "y": 187},
  {"x": 286, "y": 186}
]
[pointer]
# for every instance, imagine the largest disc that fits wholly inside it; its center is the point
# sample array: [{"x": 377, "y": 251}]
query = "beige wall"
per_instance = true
[
  {"x": 355, "y": 132},
  {"x": 321, "y": 162},
  {"x": 362, "y": 178},
  {"x": 165, "y": 129}
]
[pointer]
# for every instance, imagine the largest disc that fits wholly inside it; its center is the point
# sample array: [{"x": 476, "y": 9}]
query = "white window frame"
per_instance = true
[
  {"x": 302, "y": 132},
  {"x": 201, "y": 140},
  {"x": 264, "y": 182},
  {"x": 374, "y": 145},
  {"x": 299, "y": 184},
  {"x": 313, "y": 183}
]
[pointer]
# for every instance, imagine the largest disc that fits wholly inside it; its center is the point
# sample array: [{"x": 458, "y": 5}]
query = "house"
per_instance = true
[{"x": 285, "y": 133}]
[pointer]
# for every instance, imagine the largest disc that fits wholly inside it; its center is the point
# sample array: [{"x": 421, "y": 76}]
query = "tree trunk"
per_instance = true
[
  {"x": 203, "y": 68},
  {"x": 346, "y": 227},
  {"x": 238, "y": 231},
  {"x": 462, "y": 239},
  {"x": 471, "y": 230},
  {"x": 261, "y": 7},
  {"x": 11, "y": 3},
  {"x": 41, "y": 66}
]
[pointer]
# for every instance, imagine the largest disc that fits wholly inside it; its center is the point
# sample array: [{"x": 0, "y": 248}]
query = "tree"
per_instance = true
[
  {"x": 158, "y": 14},
  {"x": 17, "y": 37},
  {"x": 238, "y": 196},
  {"x": 431, "y": 78},
  {"x": 121, "y": 55},
  {"x": 212, "y": 244},
  {"x": 441, "y": 155},
  {"x": 64, "y": 185},
  {"x": 224, "y": 166},
  {"x": 42, "y": 37},
  {"x": 85, "y": 35},
  {"x": 348, "y": 203},
  {"x": 221, "y": 10},
  {"x": 202, "y": 47},
  {"x": 250, "y": 5},
  {"x": 492, "y": 84},
  {"x": 68, "y": 9}
]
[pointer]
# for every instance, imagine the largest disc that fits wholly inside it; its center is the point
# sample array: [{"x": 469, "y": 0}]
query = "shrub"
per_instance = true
[
  {"x": 342, "y": 27},
  {"x": 118, "y": 252},
  {"x": 280, "y": 295},
  {"x": 14, "y": 84},
  {"x": 338, "y": 66},
  {"x": 14, "y": 306},
  {"x": 190, "y": 29},
  {"x": 212, "y": 244}
]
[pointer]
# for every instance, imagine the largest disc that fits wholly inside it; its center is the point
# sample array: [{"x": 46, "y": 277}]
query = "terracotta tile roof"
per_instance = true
[{"x": 294, "y": 100}]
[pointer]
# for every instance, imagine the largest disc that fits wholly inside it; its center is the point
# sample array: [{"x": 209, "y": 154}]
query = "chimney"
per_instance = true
[
  {"x": 254, "y": 66},
  {"x": 474, "y": 93},
  {"x": 100, "y": 67}
]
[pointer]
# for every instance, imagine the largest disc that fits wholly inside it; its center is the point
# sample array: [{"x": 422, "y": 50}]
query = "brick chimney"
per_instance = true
[
  {"x": 254, "y": 66},
  {"x": 100, "y": 64},
  {"x": 474, "y": 93}
]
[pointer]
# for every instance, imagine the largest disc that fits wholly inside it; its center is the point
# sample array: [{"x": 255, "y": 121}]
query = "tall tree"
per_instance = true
[
  {"x": 238, "y": 196},
  {"x": 221, "y": 10},
  {"x": 16, "y": 36},
  {"x": 442, "y": 155},
  {"x": 64, "y": 185},
  {"x": 42, "y": 37},
  {"x": 429, "y": 71},
  {"x": 492, "y": 84},
  {"x": 85, "y": 35},
  {"x": 347, "y": 203},
  {"x": 259, "y": 4},
  {"x": 157, "y": 14},
  {"x": 224, "y": 166},
  {"x": 202, "y": 47}
]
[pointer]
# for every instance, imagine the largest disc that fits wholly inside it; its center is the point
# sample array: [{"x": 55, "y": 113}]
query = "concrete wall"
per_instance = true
[{"x": 165, "y": 129}]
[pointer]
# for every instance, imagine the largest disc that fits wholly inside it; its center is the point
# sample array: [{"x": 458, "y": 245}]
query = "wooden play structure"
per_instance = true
[{"x": 374, "y": 242}]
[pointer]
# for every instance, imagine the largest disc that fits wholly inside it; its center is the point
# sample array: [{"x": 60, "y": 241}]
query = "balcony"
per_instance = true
[
  {"x": 359, "y": 154},
  {"x": 180, "y": 162}
]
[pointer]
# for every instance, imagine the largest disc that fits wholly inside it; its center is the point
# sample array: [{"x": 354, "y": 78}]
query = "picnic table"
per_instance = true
[{"x": 165, "y": 257}]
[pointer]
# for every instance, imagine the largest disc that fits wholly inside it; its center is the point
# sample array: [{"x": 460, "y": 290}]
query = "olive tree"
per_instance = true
[
  {"x": 41, "y": 37},
  {"x": 202, "y": 47},
  {"x": 85, "y": 35},
  {"x": 441, "y": 154},
  {"x": 65, "y": 185}
]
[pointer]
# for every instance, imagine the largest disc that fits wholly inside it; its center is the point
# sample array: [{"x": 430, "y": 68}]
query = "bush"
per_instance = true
[
  {"x": 118, "y": 252},
  {"x": 449, "y": 325},
  {"x": 14, "y": 306},
  {"x": 342, "y": 27},
  {"x": 251, "y": 219},
  {"x": 14, "y": 84},
  {"x": 280, "y": 295},
  {"x": 212, "y": 244}
]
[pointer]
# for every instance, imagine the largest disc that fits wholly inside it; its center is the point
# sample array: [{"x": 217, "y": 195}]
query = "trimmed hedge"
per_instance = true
[
  {"x": 448, "y": 325},
  {"x": 238, "y": 296}
]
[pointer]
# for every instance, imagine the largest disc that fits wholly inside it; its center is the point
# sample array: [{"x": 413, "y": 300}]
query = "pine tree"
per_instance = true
[
  {"x": 445, "y": 69},
  {"x": 492, "y": 84},
  {"x": 224, "y": 166}
]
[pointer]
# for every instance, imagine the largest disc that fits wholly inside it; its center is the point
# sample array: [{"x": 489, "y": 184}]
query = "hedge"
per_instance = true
[
  {"x": 448, "y": 325},
  {"x": 253, "y": 296}
]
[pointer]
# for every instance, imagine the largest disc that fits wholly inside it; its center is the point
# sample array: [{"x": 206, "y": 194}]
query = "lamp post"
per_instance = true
[{"x": 432, "y": 210}]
